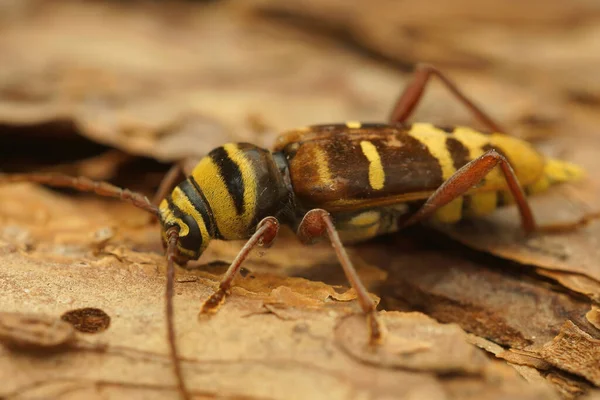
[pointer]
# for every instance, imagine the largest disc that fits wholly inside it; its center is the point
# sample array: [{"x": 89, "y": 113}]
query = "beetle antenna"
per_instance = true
[{"x": 84, "y": 184}]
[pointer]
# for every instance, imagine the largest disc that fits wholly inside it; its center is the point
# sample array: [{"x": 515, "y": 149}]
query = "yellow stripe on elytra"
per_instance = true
[
  {"x": 208, "y": 176},
  {"x": 181, "y": 200},
  {"x": 527, "y": 163},
  {"x": 376, "y": 172},
  {"x": 435, "y": 141},
  {"x": 475, "y": 141},
  {"x": 525, "y": 160},
  {"x": 322, "y": 164},
  {"x": 483, "y": 203},
  {"x": 484, "y": 199}
]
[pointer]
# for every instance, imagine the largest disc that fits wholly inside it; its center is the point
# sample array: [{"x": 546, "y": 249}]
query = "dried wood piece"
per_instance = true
[
  {"x": 35, "y": 332},
  {"x": 575, "y": 351},
  {"x": 292, "y": 346},
  {"x": 528, "y": 358},
  {"x": 576, "y": 282},
  {"x": 592, "y": 395},
  {"x": 501, "y": 305},
  {"x": 413, "y": 341},
  {"x": 594, "y": 316},
  {"x": 490, "y": 298},
  {"x": 568, "y": 386}
]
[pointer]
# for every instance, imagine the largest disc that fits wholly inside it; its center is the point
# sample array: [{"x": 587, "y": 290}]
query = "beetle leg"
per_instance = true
[
  {"x": 174, "y": 175},
  {"x": 172, "y": 238},
  {"x": 470, "y": 175},
  {"x": 414, "y": 90},
  {"x": 168, "y": 183},
  {"x": 318, "y": 222},
  {"x": 265, "y": 234}
]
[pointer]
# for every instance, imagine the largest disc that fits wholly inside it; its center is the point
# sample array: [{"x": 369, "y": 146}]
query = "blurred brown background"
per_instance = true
[
  {"x": 118, "y": 90},
  {"x": 169, "y": 80}
]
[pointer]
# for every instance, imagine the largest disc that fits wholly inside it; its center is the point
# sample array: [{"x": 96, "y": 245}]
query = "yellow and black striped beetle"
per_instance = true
[{"x": 349, "y": 182}]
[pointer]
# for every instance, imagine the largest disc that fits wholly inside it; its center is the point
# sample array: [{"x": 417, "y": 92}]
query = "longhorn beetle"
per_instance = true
[{"x": 348, "y": 182}]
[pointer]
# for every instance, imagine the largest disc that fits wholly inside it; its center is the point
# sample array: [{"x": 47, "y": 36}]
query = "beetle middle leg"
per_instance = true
[
  {"x": 265, "y": 234},
  {"x": 168, "y": 183},
  {"x": 318, "y": 222},
  {"x": 413, "y": 92},
  {"x": 174, "y": 175},
  {"x": 470, "y": 175}
]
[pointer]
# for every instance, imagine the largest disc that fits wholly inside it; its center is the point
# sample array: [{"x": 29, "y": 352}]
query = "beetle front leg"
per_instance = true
[
  {"x": 317, "y": 223},
  {"x": 265, "y": 234}
]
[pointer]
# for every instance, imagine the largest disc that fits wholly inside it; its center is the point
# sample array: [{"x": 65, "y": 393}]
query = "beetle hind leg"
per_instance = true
[
  {"x": 318, "y": 222},
  {"x": 413, "y": 92},
  {"x": 466, "y": 178}
]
